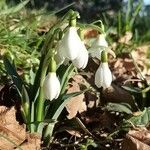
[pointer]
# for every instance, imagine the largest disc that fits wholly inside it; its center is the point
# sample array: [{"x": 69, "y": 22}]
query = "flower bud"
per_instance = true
[
  {"x": 51, "y": 86},
  {"x": 103, "y": 76}
]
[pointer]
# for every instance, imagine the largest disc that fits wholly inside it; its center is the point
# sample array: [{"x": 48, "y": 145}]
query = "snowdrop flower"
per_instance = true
[
  {"x": 103, "y": 76},
  {"x": 98, "y": 46},
  {"x": 51, "y": 86},
  {"x": 82, "y": 59},
  {"x": 58, "y": 57},
  {"x": 72, "y": 48},
  {"x": 71, "y": 44}
]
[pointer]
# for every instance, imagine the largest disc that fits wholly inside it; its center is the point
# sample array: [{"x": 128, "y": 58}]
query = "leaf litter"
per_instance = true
[
  {"x": 13, "y": 134},
  {"x": 100, "y": 122}
]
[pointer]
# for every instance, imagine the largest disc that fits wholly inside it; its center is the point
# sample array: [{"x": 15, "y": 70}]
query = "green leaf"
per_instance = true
[
  {"x": 65, "y": 73},
  {"x": 11, "y": 70},
  {"x": 25, "y": 102},
  {"x": 135, "y": 13},
  {"x": 60, "y": 104},
  {"x": 14, "y": 9},
  {"x": 32, "y": 126},
  {"x": 36, "y": 85},
  {"x": 56, "y": 110},
  {"x": 142, "y": 119},
  {"x": 119, "y": 107},
  {"x": 132, "y": 89}
]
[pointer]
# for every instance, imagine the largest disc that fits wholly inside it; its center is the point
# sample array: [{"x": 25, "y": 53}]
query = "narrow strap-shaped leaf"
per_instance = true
[
  {"x": 14, "y": 9},
  {"x": 61, "y": 104},
  {"x": 65, "y": 74},
  {"x": 11, "y": 70}
]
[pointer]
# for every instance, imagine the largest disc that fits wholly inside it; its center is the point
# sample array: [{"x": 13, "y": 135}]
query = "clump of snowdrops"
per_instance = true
[{"x": 64, "y": 50}]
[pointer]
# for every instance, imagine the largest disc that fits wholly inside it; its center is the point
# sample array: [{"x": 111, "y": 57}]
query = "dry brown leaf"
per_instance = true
[
  {"x": 131, "y": 143},
  {"x": 33, "y": 142},
  {"x": 116, "y": 94},
  {"x": 141, "y": 134},
  {"x": 90, "y": 33},
  {"x": 10, "y": 128},
  {"x": 75, "y": 104},
  {"x": 138, "y": 139},
  {"x": 140, "y": 56},
  {"x": 123, "y": 66},
  {"x": 90, "y": 98},
  {"x": 74, "y": 133},
  {"x": 126, "y": 38}
]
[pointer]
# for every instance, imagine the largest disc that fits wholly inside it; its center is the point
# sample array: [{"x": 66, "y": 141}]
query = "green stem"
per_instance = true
[
  {"x": 40, "y": 100},
  {"x": 40, "y": 104},
  {"x": 93, "y": 26},
  {"x": 52, "y": 30},
  {"x": 72, "y": 22},
  {"x": 52, "y": 65}
]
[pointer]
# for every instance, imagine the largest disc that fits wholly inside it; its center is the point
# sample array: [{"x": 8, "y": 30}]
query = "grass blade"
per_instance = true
[{"x": 14, "y": 9}]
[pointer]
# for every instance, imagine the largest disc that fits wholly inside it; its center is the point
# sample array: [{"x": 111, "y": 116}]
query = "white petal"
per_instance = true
[
  {"x": 96, "y": 51},
  {"x": 85, "y": 60},
  {"x": 57, "y": 87},
  {"x": 103, "y": 76},
  {"x": 51, "y": 86},
  {"x": 59, "y": 57},
  {"x": 99, "y": 77},
  {"x": 101, "y": 41},
  {"x": 82, "y": 58},
  {"x": 98, "y": 46},
  {"x": 70, "y": 44},
  {"x": 107, "y": 76}
]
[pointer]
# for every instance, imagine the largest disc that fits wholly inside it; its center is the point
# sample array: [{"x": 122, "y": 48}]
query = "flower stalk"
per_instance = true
[{"x": 40, "y": 100}]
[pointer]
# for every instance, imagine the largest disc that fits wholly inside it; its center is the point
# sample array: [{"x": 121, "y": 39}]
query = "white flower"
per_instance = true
[
  {"x": 72, "y": 48},
  {"x": 58, "y": 57},
  {"x": 98, "y": 46},
  {"x": 103, "y": 76},
  {"x": 82, "y": 59},
  {"x": 71, "y": 44},
  {"x": 51, "y": 86}
]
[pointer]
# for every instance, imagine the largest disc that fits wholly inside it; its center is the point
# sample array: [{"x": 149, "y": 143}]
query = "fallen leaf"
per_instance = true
[
  {"x": 138, "y": 139},
  {"x": 11, "y": 132},
  {"x": 75, "y": 104},
  {"x": 126, "y": 38},
  {"x": 33, "y": 142},
  {"x": 141, "y": 134},
  {"x": 116, "y": 94},
  {"x": 90, "y": 33},
  {"x": 74, "y": 133}
]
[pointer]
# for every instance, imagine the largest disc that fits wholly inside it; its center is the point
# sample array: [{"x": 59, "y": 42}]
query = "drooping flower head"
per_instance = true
[
  {"x": 98, "y": 46},
  {"x": 51, "y": 85},
  {"x": 71, "y": 46},
  {"x": 103, "y": 76}
]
